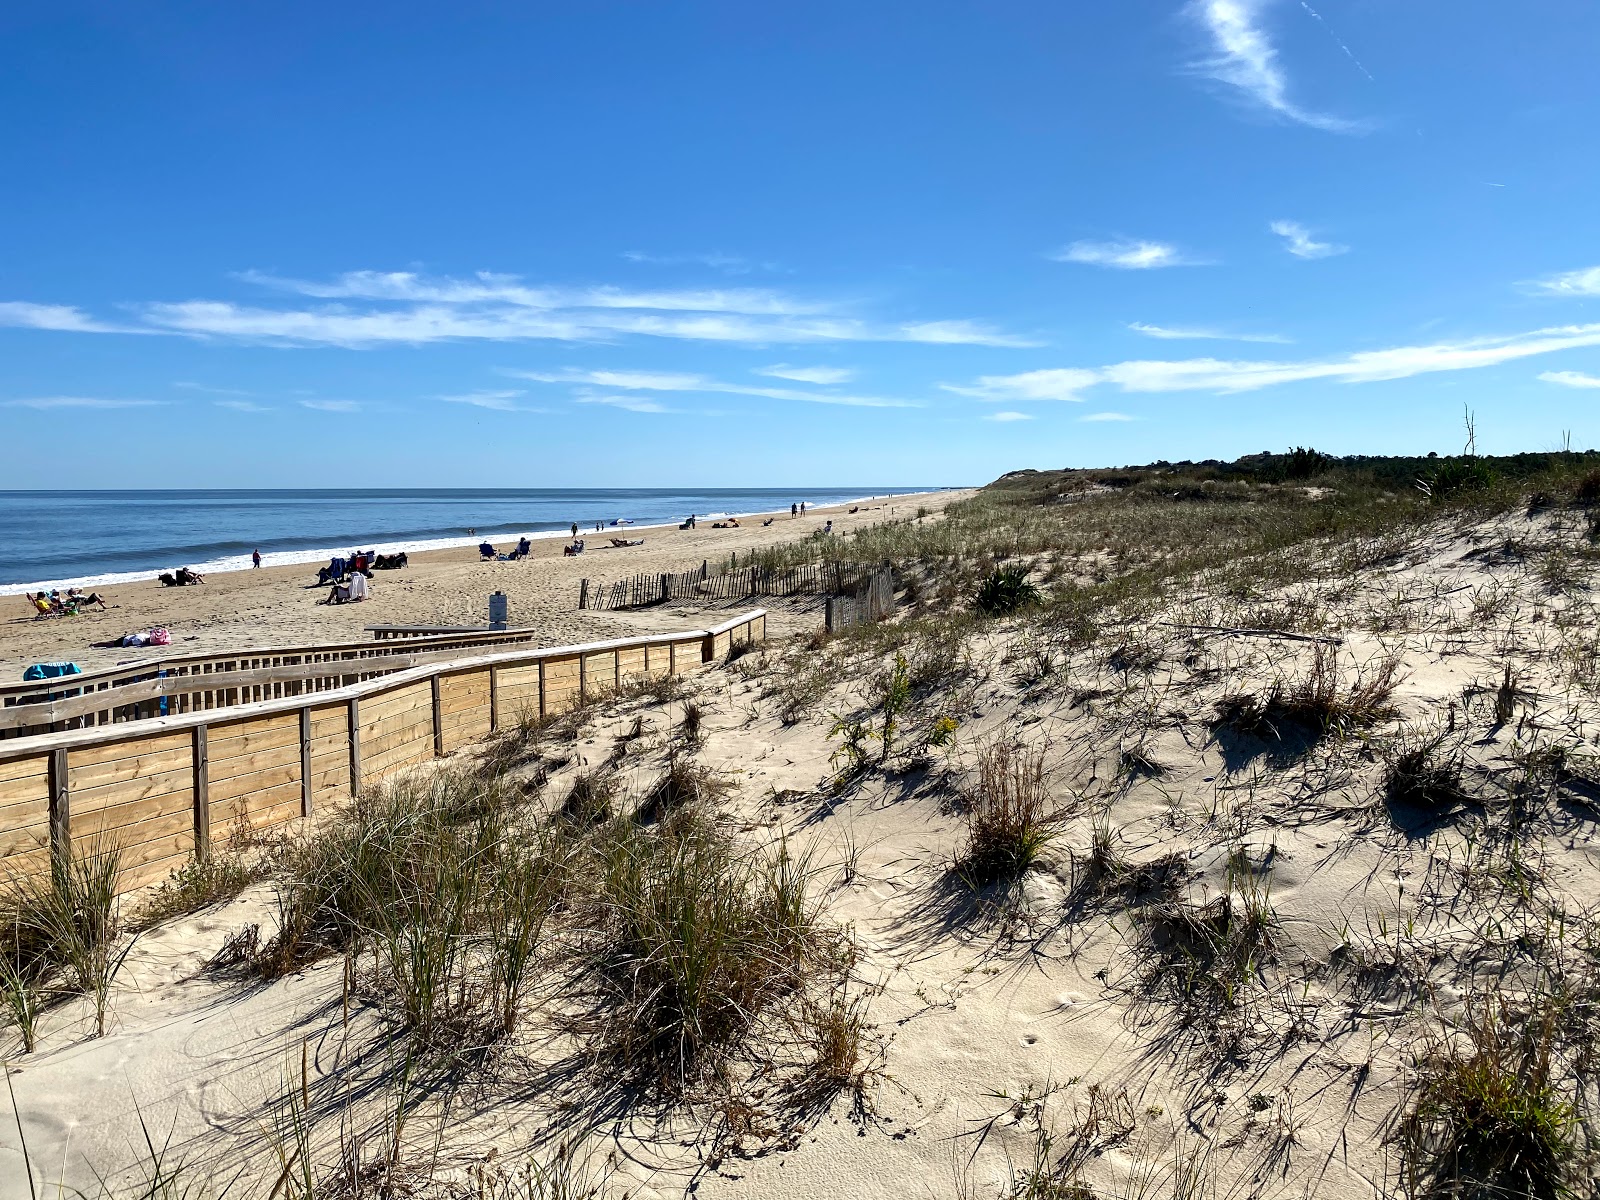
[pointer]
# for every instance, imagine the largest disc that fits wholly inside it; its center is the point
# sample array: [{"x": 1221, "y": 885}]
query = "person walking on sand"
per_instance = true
[
  {"x": 802, "y": 508},
  {"x": 574, "y": 531},
  {"x": 255, "y": 560},
  {"x": 794, "y": 510}
]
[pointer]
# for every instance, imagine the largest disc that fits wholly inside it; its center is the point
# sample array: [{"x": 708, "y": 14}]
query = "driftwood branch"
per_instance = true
[{"x": 1271, "y": 633}]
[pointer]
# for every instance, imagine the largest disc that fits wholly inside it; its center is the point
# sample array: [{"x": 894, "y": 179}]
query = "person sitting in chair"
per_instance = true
[
  {"x": 486, "y": 549},
  {"x": 185, "y": 577}
]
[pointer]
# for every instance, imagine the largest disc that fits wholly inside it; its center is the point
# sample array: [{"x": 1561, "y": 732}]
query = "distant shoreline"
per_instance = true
[{"x": 322, "y": 553}]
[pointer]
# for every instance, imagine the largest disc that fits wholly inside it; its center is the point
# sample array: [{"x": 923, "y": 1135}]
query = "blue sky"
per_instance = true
[{"x": 825, "y": 243}]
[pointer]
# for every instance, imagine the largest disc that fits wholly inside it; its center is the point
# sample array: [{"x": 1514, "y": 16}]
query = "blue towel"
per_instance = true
[{"x": 51, "y": 671}]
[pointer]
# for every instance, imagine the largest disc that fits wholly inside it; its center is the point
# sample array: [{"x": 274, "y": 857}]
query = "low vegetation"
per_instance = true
[{"x": 1008, "y": 816}]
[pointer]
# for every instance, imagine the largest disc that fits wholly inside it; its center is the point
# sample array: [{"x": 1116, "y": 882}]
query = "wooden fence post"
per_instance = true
[
  {"x": 438, "y": 717},
  {"x": 494, "y": 700},
  {"x": 665, "y": 587},
  {"x": 542, "y": 709},
  {"x": 305, "y": 762},
  {"x": 354, "y": 711},
  {"x": 202, "y": 796},
  {"x": 583, "y": 593},
  {"x": 583, "y": 675},
  {"x": 60, "y": 808}
]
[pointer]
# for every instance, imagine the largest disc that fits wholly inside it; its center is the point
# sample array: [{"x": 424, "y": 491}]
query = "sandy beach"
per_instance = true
[{"x": 280, "y": 605}]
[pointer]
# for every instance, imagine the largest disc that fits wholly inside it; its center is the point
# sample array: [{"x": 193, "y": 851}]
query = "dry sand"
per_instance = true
[
  {"x": 991, "y": 1026},
  {"x": 278, "y": 605}
]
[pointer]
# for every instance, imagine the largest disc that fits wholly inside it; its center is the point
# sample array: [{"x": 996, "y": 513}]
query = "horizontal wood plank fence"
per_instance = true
[
  {"x": 161, "y": 687},
  {"x": 736, "y": 583},
  {"x": 165, "y": 790}
]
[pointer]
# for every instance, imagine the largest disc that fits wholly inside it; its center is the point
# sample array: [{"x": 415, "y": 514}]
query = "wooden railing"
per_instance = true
[
  {"x": 168, "y": 686},
  {"x": 169, "y": 788}
]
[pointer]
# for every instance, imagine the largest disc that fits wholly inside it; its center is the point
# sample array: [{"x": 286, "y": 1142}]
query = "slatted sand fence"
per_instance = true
[
  {"x": 166, "y": 789},
  {"x": 731, "y": 583}
]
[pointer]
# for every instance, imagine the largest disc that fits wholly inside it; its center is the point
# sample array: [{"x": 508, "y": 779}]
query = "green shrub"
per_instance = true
[{"x": 1005, "y": 590}]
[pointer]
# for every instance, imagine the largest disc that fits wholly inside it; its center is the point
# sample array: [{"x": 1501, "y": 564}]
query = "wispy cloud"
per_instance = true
[
  {"x": 1126, "y": 254},
  {"x": 1223, "y": 375},
  {"x": 1107, "y": 416},
  {"x": 1057, "y": 383},
  {"x": 818, "y": 375},
  {"x": 1572, "y": 379},
  {"x": 189, "y": 386},
  {"x": 63, "y": 317},
  {"x": 1298, "y": 241},
  {"x": 248, "y": 406},
  {"x": 80, "y": 402},
  {"x": 955, "y": 333},
  {"x": 728, "y": 264},
  {"x": 487, "y": 287},
  {"x": 1009, "y": 416},
  {"x": 333, "y": 406},
  {"x": 1243, "y": 57},
  {"x": 1190, "y": 334},
  {"x": 1583, "y": 282},
  {"x": 502, "y": 401},
  {"x": 673, "y": 381},
  {"x": 374, "y": 308},
  {"x": 630, "y": 403}
]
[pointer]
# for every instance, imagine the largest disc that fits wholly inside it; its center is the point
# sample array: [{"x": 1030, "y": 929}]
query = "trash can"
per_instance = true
[{"x": 497, "y": 610}]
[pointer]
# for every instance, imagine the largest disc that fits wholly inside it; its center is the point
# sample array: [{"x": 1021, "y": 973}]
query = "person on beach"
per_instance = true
[
  {"x": 794, "y": 510},
  {"x": 255, "y": 560},
  {"x": 574, "y": 531},
  {"x": 802, "y": 508}
]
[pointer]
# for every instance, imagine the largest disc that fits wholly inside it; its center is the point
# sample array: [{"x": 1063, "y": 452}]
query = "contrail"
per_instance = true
[{"x": 1336, "y": 40}]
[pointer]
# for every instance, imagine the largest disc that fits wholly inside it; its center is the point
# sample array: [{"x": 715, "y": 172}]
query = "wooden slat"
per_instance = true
[
  {"x": 286, "y": 776},
  {"x": 132, "y": 825},
  {"x": 22, "y": 769},
  {"x": 245, "y": 764},
  {"x": 131, "y": 744}
]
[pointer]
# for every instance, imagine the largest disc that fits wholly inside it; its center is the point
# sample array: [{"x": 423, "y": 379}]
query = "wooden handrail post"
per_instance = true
[
  {"x": 305, "y": 762},
  {"x": 542, "y": 709},
  {"x": 354, "y": 709},
  {"x": 202, "y": 796},
  {"x": 494, "y": 699},
  {"x": 438, "y": 717},
  {"x": 60, "y": 809}
]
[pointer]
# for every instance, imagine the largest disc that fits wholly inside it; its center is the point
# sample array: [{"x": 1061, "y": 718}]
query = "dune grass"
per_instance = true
[
  {"x": 695, "y": 941},
  {"x": 61, "y": 935},
  {"x": 1007, "y": 816},
  {"x": 1489, "y": 1116}
]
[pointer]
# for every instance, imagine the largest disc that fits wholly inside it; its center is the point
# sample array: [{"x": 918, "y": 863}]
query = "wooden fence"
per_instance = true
[
  {"x": 872, "y": 600},
  {"x": 161, "y": 687},
  {"x": 739, "y": 583},
  {"x": 166, "y": 789}
]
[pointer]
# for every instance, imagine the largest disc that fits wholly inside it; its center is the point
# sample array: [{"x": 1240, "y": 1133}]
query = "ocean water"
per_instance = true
[{"x": 60, "y": 539}]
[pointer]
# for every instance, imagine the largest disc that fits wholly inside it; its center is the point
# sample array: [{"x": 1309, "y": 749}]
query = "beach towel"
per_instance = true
[
  {"x": 160, "y": 637},
  {"x": 51, "y": 670},
  {"x": 358, "y": 587}
]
